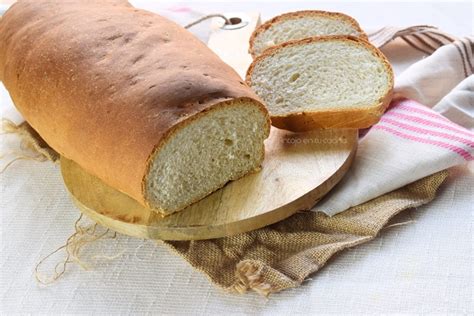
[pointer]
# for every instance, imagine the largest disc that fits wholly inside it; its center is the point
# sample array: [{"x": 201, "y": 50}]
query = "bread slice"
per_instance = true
[
  {"x": 302, "y": 24},
  {"x": 204, "y": 154},
  {"x": 133, "y": 98},
  {"x": 323, "y": 82}
]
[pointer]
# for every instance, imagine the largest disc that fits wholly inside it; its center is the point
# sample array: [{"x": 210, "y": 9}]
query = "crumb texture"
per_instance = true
[
  {"x": 321, "y": 75},
  {"x": 201, "y": 157},
  {"x": 302, "y": 27}
]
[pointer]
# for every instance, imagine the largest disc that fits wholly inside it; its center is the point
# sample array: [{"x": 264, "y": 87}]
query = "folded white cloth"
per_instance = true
[
  {"x": 458, "y": 105},
  {"x": 412, "y": 140},
  {"x": 430, "y": 79}
]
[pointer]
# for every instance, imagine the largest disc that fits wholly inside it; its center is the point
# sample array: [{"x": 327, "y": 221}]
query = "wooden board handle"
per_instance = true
[{"x": 231, "y": 42}]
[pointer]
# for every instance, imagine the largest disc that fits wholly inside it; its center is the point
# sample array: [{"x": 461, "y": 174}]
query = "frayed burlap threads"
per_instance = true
[
  {"x": 82, "y": 236},
  {"x": 31, "y": 141},
  {"x": 249, "y": 275}
]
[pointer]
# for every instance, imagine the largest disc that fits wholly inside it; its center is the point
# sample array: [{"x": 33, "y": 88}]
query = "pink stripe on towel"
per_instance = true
[
  {"x": 428, "y": 132},
  {"x": 417, "y": 109},
  {"x": 450, "y": 127},
  {"x": 458, "y": 150}
]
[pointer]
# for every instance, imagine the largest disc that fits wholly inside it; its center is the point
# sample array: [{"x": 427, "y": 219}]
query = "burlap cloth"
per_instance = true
[{"x": 282, "y": 255}]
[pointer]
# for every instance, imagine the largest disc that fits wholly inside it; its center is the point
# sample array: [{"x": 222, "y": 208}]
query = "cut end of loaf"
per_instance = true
[
  {"x": 302, "y": 24},
  {"x": 334, "y": 81},
  {"x": 223, "y": 144}
]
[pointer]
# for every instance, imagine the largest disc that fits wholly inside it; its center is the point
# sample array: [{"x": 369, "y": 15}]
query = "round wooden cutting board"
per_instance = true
[{"x": 299, "y": 168}]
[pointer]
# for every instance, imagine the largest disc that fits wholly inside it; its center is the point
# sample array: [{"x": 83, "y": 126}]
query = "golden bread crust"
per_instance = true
[{"x": 106, "y": 84}]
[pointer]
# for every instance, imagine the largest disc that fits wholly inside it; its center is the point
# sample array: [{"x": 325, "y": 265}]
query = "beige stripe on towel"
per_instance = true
[{"x": 429, "y": 37}]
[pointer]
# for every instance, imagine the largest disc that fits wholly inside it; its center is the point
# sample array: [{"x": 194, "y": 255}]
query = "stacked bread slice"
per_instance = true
[
  {"x": 302, "y": 24},
  {"x": 321, "y": 72}
]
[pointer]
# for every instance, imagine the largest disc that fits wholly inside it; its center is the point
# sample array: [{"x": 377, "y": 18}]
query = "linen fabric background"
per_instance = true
[{"x": 424, "y": 266}]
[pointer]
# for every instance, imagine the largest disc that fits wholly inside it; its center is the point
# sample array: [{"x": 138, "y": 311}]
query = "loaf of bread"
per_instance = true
[
  {"x": 133, "y": 98},
  {"x": 323, "y": 82},
  {"x": 299, "y": 25}
]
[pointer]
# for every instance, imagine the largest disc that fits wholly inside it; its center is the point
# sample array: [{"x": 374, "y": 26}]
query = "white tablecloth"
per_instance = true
[{"x": 425, "y": 266}]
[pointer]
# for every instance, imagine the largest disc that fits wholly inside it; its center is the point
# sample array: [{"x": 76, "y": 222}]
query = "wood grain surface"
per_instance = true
[{"x": 299, "y": 169}]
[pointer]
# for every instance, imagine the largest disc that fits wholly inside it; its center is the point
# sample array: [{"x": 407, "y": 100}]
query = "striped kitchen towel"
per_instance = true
[
  {"x": 414, "y": 138},
  {"x": 424, "y": 38},
  {"x": 410, "y": 142}
]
